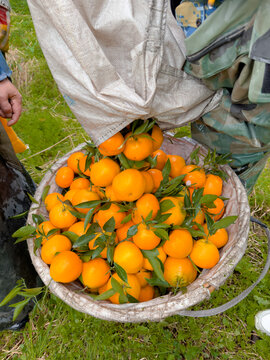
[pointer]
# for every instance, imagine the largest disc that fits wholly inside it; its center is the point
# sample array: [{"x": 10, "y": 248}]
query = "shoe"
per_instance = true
[
  {"x": 19, "y": 325},
  {"x": 262, "y": 321}
]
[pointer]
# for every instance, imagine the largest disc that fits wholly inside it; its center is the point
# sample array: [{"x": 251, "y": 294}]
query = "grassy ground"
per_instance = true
[{"x": 56, "y": 331}]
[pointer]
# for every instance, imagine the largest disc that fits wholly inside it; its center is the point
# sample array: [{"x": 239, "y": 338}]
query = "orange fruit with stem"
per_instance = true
[
  {"x": 123, "y": 230},
  {"x": 161, "y": 157},
  {"x": 179, "y": 272},
  {"x": 84, "y": 195},
  {"x": 157, "y": 137},
  {"x": 114, "y": 211},
  {"x": 199, "y": 219},
  {"x": 129, "y": 256},
  {"x": 213, "y": 185},
  {"x": 66, "y": 267},
  {"x": 179, "y": 245},
  {"x": 113, "y": 146},
  {"x": 177, "y": 163},
  {"x": 195, "y": 176},
  {"x": 95, "y": 273},
  {"x": 84, "y": 166},
  {"x": 69, "y": 195},
  {"x": 128, "y": 185},
  {"x": 99, "y": 190},
  {"x": 43, "y": 229},
  {"x": 149, "y": 182},
  {"x": 109, "y": 193},
  {"x": 53, "y": 199},
  {"x": 219, "y": 238},
  {"x": 142, "y": 275},
  {"x": 204, "y": 254},
  {"x": 218, "y": 211},
  {"x": 80, "y": 183},
  {"x": 132, "y": 287},
  {"x": 104, "y": 171},
  {"x": 147, "y": 293},
  {"x": 78, "y": 228},
  {"x": 64, "y": 176},
  {"x": 176, "y": 210},
  {"x": 55, "y": 244},
  {"x": 157, "y": 178},
  {"x": 145, "y": 238},
  {"x": 73, "y": 161},
  {"x": 161, "y": 256},
  {"x": 138, "y": 147},
  {"x": 146, "y": 205},
  {"x": 61, "y": 217}
]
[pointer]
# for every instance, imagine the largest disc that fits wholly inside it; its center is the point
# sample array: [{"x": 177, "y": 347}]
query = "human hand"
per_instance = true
[{"x": 10, "y": 102}]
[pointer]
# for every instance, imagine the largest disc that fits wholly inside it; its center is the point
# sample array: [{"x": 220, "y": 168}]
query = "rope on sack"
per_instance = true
[{"x": 240, "y": 297}]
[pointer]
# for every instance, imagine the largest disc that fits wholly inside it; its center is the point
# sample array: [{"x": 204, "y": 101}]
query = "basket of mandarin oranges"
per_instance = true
[{"x": 140, "y": 227}]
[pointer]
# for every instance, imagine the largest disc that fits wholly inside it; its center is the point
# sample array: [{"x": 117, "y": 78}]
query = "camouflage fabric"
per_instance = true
[{"x": 234, "y": 55}]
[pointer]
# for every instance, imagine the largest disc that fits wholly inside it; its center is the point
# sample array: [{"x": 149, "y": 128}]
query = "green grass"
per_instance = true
[{"x": 56, "y": 331}]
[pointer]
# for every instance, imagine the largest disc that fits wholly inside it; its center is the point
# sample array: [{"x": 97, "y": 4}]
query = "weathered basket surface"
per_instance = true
[{"x": 161, "y": 307}]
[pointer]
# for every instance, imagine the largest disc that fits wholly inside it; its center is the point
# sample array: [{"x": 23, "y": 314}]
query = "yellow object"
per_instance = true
[
  {"x": 211, "y": 3},
  {"x": 17, "y": 144}
]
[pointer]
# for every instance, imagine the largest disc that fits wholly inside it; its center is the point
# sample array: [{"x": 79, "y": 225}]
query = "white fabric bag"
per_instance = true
[{"x": 115, "y": 61}]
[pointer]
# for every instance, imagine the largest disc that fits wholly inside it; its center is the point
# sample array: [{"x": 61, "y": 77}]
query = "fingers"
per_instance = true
[
  {"x": 16, "y": 105},
  {"x": 10, "y": 102}
]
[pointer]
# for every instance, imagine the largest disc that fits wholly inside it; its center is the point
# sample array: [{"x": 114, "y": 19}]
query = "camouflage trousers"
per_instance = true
[{"x": 227, "y": 130}]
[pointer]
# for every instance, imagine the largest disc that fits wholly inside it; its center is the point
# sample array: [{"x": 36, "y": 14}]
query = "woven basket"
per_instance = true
[{"x": 164, "y": 306}]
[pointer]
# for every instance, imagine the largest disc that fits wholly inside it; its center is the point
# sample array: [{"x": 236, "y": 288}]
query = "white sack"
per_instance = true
[{"x": 115, "y": 61}]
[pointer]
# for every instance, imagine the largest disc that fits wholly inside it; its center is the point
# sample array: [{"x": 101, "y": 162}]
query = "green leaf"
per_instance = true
[
  {"x": 37, "y": 219},
  {"x": 32, "y": 199},
  {"x": 166, "y": 205},
  {"x": 197, "y": 196},
  {"x": 208, "y": 200},
  {"x": 37, "y": 242},
  {"x": 19, "y": 240},
  {"x": 119, "y": 289},
  {"x": 45, "y": 192},
  {"x": 151, "y": 255},
  {"x": 166, "y": 170},
  {"x": 224, "y": 222},
  {"x": 83, "y": 240},
  {"x": 11, "y": 295},
  {"x": 88, "y": 217},
  {"x": 152, "y": 161},
  {"x": 121, "y": 272},
  {"x": 97, "y": 251},
  {"x": 126, "y": 219},
  {"x": 161, "y": 233},
  {"x": 77, "y": 214},
  {"x": 157, "y": 282},
  {"x": 124, "y": 161},
  {"x": 24, "y": 231},
  {"x": 141, "y": 129},
  {"x": 19, "y": 216},
  {"x": 104, "y": 296},
  {"x": 19, "y": 307},
  {"x": 89, "y": 204},
  {"x": 52, "y": 232},
  {"x": 110, "y": 253},
  {"x": 209, "y": 222},
  {"x": 149, "y": 216},
  {"x": 109, "y": 226},
  {"x": 73, "y": 237},
  {"x": 132, "y": 231},
  {"x": 131, "y": 299},
  {"x": 194, "y": 156},
  {"x": 33, "y": 291}
]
